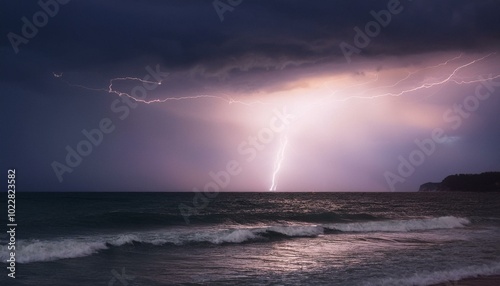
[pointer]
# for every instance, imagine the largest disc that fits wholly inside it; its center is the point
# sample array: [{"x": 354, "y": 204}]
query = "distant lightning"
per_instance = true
[
  {"x": 410, "y": 74},
  {"x": 448, "y": 78},
  {"x": 482, "y": 79},
  {"x": 424, "y": 85},
  {"x": 429, "y": 83},
  {"x": 112, "y": 90},
  {"x": 119, "y": 93},
  {"x": 278, "y": 162}
]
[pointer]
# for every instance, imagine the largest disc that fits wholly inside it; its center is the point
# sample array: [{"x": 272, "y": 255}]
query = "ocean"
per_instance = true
[{"x": 253, "y": 238}]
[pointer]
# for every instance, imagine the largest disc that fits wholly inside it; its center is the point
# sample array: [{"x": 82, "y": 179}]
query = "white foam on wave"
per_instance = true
[
  {"x": 249, "y": 234},
  {"x": 234, "y": 236},
  {"x": 305, "y": 230},
  {"x": 123, "y": 239},
  {"x": 401, "y": 225},
  {"x": 49, "y": 250},
  {"x": 429, "y": 278},
  {"x": 35, "y": 250}
]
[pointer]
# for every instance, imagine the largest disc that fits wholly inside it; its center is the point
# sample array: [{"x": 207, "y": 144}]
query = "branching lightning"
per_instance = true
[
  {"x": 427, "y": 85},
  {"x": 451, "y": 77},
  {"x": 112, "y": 90},
  {"x": 424, "y": 85}
]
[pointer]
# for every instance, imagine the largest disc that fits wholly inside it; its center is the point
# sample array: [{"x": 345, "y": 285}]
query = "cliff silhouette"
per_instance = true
[{"x": 484, "y": 182}]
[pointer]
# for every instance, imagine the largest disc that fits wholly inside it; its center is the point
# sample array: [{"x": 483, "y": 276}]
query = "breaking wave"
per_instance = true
[
  {"x": 401, "y": 225},
  {"x": 72, "y": 247}
]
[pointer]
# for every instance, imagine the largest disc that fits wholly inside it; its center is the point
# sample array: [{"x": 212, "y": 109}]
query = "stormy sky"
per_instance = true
[{"x": 254, "y": 95}]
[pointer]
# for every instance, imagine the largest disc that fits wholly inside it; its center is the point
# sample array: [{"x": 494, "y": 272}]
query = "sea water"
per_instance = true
[{"x": 253, "y": 239}]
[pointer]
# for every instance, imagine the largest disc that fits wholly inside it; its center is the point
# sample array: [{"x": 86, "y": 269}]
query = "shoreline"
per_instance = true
[{"x": 481, "y": 280}]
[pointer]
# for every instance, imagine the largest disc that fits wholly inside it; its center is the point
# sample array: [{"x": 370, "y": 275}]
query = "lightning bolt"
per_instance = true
[
  {"x": 410, "y": 74},
  {"x": 447, "y": 79},
  {"x": 424, "y": 85},
  {"x": 112, "y": 90},
  {"x": 228, "y": 100},
  {"x": 450, "y": 78},
  {"x": 278, "y": 162}
]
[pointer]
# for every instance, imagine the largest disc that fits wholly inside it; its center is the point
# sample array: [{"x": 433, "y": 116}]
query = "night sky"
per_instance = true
[{"x": 287, "y": 95}]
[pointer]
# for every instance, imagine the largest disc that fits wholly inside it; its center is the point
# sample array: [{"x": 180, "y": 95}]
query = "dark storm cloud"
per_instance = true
[
  {"x": 259, "y": 45},
  {"x": 96, "y": 35}
]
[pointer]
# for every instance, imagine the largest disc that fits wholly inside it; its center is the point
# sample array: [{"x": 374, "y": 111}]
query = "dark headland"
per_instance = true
[{"x": 484, "y": 182}]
